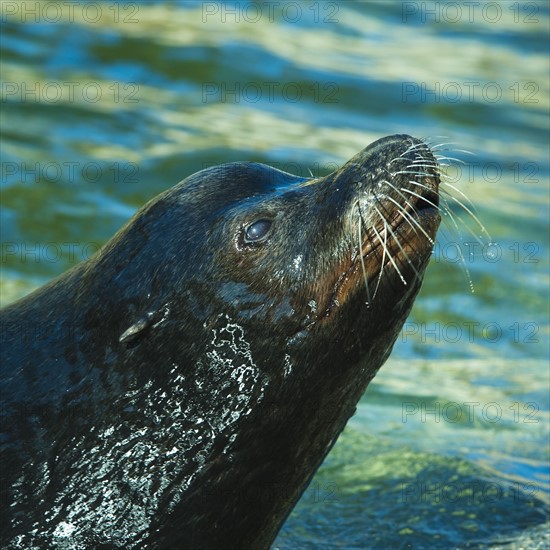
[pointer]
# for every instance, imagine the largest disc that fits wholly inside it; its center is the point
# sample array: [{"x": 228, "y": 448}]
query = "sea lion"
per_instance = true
[{"x": 180, "y": 388}]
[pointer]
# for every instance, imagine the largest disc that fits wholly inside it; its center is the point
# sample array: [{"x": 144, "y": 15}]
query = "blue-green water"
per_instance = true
[{"x": 106, "y": 104}]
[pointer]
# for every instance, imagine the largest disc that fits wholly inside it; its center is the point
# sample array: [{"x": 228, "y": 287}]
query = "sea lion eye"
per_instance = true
[{"x": 257, "y": 231}]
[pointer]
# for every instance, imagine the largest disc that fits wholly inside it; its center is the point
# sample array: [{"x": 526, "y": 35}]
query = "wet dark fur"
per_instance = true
[{"x": 180, "y": 389}]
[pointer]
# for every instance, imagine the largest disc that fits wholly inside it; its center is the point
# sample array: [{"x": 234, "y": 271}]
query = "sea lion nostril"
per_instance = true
[{"x": 429, "y": 199}]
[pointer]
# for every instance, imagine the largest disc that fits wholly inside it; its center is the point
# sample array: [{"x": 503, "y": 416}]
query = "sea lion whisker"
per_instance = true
[
  {"x": 407, "y": 202},
  {"x": 411, "y": 148},
  {"x": 448, "y": 212},
  {"x": 419, "y": 184},
  {"x": 446, "y": 197},
  {"x": 396, "y": 239},
  {"x": 465, "y": 151},
  {"x": 444, "y": 192},
  {"x": 429, "y": 141},
  {"x": 419, "y": 196},
  {"x": 423, "y": 158},
  {"x": 443, "y": 146},
  {"x": 403, "y": 208},
  {"x": 448, "y": 161},
  {"x": 445, "y": 209},
  {"x": 422, "y": 163},
  {"x": 414, "y": 172},
  {"x": 419, "y": 162},
  {"x": 444, "y": 158},
  {"x": 413, "y": 220},
  {"x": 466, "y": 209},
  {"x": 427, "y": 188},
  {"x": 449, "y": 146},
  {"x": 361, "y": 256},
  {"x": 390, "y": 257},
  {"x": 406, "y": 213},
  {"x": 457, "y": 190},
  {"x": 453, "y": 217},
  {"x": 450, "y": 216},
  {"x": 384, "y": 249}
]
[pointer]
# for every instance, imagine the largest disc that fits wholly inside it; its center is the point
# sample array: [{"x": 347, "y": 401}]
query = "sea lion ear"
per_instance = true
[{"x": 151, "y": 319}]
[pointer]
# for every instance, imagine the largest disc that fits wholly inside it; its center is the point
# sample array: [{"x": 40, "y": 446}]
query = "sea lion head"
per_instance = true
[{"x": 338, "y": 258}]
